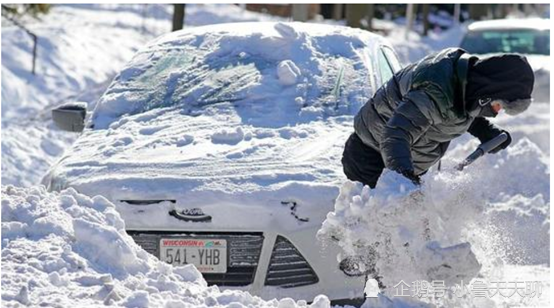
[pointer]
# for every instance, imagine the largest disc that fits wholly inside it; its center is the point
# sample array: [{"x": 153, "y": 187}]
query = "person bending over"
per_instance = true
[{"x": 409, "y": 122}]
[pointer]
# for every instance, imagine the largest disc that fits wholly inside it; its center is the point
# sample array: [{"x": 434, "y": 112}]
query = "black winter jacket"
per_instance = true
[{"x": 413, "y": 117}]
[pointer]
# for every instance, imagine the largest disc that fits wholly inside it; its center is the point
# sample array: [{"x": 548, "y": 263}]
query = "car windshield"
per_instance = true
[
  {"x": 188, "y": 77},
  {"x": 524, "y": 41},
  {"x": 242, "y": 74}
]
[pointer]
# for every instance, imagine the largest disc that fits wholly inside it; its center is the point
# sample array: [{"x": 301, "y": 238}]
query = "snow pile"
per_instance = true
[
  {"x": 275, "y": 133},
  {"x": 207, "y": 14},
  {"x": 228, "y": 137},
  {"x": 288, "y": 72},
  {"x": 68, "y": 250},
  {"x": 402, "y": 233},
  {"x": 73, "y": 64},
  {"x": 495, "y": 212}
]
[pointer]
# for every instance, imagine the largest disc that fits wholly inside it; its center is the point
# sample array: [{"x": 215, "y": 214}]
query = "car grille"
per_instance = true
[
  {"x": 287, "y": 267},
  {"x": 243, "y": 253}
]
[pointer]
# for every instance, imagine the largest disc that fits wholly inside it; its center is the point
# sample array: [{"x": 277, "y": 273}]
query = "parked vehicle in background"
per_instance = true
[
  {"x": 221, "y": 145},
  {"x": 530, "y": 37}
]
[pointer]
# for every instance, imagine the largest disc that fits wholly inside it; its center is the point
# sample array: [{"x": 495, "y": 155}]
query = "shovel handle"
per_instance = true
[{"x": 482, "y": 150}]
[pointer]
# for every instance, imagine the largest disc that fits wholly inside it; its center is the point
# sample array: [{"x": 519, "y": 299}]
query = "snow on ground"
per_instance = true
[
  {"x": 73, "y": 63},
  {"x": 507, "y": 225},
  {"x": 414, "y": 47},
  {"x": 69, "y": 250}
]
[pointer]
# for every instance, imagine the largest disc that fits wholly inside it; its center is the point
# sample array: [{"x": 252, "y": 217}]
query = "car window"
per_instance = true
[
  {"x": 391, "y": 58},
  {"x": 504, "y": 41},
  {"x": 181, "y": 76},
  {"x": 386, "y": 71},
  {"x": 330, "y": 80},
  {"x": 176, "y": 77}
]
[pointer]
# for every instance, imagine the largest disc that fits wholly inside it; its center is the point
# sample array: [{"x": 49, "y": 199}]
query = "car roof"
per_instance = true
[
  {"x": 272, "y": 29},
  {"x": 511, "y": 23}
]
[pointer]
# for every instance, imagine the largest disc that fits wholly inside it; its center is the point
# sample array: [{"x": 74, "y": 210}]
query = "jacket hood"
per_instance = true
[{"x": 508, "y": 77}]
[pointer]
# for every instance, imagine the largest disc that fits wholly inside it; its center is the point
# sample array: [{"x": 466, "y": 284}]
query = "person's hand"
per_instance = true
[{"x": 503, "y": 145}]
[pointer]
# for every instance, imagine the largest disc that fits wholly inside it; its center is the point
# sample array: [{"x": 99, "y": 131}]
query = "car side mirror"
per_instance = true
[{"x": 70, "y": 117}]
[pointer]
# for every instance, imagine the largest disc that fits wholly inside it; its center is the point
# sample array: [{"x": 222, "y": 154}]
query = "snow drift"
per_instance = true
[
  {"x": 458, "y": 225},
  {"x": 66, "y": 249}
]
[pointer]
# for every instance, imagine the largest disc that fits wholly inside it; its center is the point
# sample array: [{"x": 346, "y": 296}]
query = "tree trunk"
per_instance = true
[
  {"x": 354, "y": 15},
  {"x": 370, "y": 16},
  {"x": 477, "y": 11},
  {"x": 338, "y": 11},
  {"x": 300, "y": 12},
  {"x": 425, "y": 9},
  {"x": 502, "y": 10},
  {"x": 410, "y": 15},
  {"x": 457, "y": 9},
  {"x": 178, "y": 16}
]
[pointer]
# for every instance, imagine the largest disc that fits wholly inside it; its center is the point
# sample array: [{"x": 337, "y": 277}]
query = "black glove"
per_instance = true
[
  {"x": 503, "y": 145},
  {"x": 410, "y": 175},
  {"x": 486, "y": 131}
]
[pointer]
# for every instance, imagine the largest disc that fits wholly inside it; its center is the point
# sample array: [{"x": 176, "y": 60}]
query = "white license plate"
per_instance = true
[{"x": 208, "y": 255}]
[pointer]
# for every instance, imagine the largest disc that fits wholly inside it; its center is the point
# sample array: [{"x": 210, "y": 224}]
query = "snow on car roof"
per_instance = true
[
  {"x": 271, "y": 29},
  {"x": 501, "y": 24}
]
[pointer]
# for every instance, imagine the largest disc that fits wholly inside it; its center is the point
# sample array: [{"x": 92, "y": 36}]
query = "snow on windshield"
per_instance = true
[{"x": 285, "y": 69}]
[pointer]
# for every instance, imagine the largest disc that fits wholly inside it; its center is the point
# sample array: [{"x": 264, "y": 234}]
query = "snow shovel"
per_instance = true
[{"x": 482, "y": 150}]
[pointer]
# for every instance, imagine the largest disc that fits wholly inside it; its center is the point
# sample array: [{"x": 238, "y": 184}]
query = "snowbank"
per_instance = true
[
  {"x": 73, "y": 64},
  {"x": 54, "y": 247},
  {"x": 495, "y": 212},
  {"x": 68, "y": 250}
]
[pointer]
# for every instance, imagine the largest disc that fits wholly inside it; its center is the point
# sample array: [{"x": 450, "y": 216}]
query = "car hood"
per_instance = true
[
  {"x": 214, "y": 162},
  {"x": 292, "y": 206}
]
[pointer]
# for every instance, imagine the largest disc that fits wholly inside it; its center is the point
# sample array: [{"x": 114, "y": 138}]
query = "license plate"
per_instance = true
[{"x": 209, "y": 256}]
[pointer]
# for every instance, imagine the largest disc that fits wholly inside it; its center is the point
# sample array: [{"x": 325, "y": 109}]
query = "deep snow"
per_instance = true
[
  {"x": 513, "y": 230},
  {"x": 498, "y": 208},
  {"x": 67, "y": 249},
  {"x": 218, "y": 130}
]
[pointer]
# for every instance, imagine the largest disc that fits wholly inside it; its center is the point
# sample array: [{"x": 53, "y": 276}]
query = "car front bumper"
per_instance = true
[{"x": 319, "y": 274}]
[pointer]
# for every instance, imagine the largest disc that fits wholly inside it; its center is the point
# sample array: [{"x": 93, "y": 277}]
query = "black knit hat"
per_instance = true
[{"x": 508, "y": 77}]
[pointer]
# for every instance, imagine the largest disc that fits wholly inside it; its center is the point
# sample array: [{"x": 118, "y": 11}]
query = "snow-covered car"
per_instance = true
[
  {"x": 221, "y": 147},
  {"x": 530, "y": 37}
]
